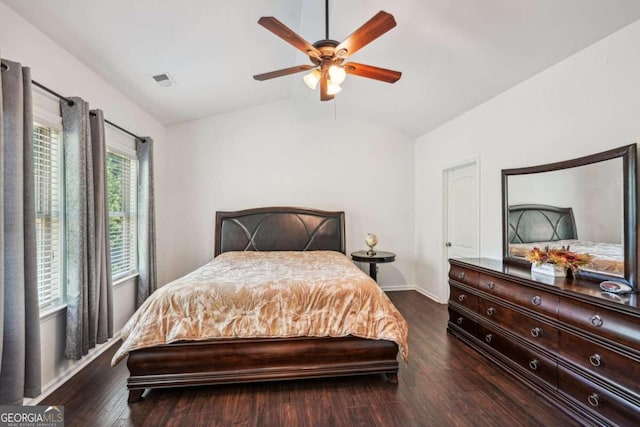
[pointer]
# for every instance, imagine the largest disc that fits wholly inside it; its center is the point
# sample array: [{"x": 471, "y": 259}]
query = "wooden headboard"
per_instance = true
[
  {"x": 540, "y": 223},
  {"x": 279, "y": 229}
]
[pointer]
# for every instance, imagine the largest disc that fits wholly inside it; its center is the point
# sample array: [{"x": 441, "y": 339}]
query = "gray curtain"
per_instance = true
[
  {"x": 147, "y": 280},
  {"x": 88, "y": 270},
  {"x": 19, "y": 310},
  {"x": 103, "y": 326}
]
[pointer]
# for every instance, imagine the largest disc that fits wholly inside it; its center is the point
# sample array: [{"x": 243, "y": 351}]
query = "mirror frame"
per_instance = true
[{"x": 628, "y": 155}]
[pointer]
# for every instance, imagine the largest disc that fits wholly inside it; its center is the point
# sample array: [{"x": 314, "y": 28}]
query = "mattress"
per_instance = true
[{"x": 267, "y": 295}]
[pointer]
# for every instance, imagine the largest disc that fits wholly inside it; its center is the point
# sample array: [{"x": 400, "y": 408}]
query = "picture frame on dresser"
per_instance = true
[{"x": 597, "y": 196}]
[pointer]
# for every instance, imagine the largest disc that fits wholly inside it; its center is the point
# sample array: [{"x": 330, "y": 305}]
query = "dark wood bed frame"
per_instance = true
[{"x": 223, "y": 361}]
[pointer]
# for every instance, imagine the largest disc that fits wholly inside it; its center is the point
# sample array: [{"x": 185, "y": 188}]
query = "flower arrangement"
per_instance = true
[{"x": 562, "y": 257}]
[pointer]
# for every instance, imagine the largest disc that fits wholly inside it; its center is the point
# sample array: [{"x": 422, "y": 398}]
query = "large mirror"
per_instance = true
[{"x": 587, "y": 204}]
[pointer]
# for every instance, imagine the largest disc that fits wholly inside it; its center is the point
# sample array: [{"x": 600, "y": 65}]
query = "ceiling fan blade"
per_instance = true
[
  {"x": 372, "y": 72},
  {"x": 324, "y": 95},
  {"x": 283, "y": 72},
  {"x": 285, "y": 33},
  {"x": 371, "y": 30}
]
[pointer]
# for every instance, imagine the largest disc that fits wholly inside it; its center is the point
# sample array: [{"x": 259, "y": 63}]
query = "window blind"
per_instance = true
[
  {"x": 47, "y": 176},
  {"x": 122, "y": 187}
]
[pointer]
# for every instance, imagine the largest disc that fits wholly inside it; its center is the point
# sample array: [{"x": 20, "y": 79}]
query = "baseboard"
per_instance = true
[
  {"x": 412, "y": 288},
  {"x": 77, "y": 367},
  {"x": 429, "y": 295},
  {"x": 392, "y": 288}
]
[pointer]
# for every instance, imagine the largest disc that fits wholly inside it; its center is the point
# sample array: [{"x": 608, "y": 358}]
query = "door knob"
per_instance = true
[{"x": 448, "y": 244}]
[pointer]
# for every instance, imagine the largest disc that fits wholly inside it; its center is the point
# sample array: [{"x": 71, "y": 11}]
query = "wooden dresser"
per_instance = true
[{"x": 575, "y": 345}]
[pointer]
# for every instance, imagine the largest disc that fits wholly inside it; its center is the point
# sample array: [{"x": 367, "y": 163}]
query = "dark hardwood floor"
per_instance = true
[{"x": 445, "y": 383}]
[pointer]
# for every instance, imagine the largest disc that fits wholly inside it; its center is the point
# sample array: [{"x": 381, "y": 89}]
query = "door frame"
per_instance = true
[{"x": 445, "y": 215}]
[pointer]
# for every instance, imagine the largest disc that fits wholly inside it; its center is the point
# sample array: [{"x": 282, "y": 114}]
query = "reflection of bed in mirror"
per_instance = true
[{"x": 535, "y": 225}]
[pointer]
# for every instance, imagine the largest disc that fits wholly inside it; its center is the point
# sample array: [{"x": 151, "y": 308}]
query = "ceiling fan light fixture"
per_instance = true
[
  {"x": 312, "y": 79},
  {"x": 327, "y": 55},
  {"x": 337, "y": 74}
]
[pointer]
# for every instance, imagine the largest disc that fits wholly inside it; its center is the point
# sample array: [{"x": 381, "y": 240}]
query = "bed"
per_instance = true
[
  {"x": 265, "y": 256},
  {"x": 535, "y": 225}
]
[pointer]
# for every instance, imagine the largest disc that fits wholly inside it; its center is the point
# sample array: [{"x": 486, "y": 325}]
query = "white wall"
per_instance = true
[
  {"x": 292, "y": 153},
  {"x": 587, "y": 103},
  {"x": 57, "y": 69}
]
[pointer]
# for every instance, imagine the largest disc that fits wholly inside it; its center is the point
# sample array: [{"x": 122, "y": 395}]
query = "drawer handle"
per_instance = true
[
  {"x": 488, "y": 338},
  {"x": 596, "y": 320},
  {"x": 461, "y": 275},
  {"x": 595, "y": 359},
  {"x": 533, "y": 364},
  {"x": 536, "y": 332},
  {"x": 594, "y": 400},
  {"x": 462, "y": 297},
  {"x": 460, "y": 320},
  {"x": 491, "y": 285},
  {"x": 536, "y": 300},
  {"x": 490, "y": 311}
]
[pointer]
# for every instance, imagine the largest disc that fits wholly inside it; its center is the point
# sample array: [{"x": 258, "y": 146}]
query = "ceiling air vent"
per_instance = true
[{"x": 163, "y": 80}]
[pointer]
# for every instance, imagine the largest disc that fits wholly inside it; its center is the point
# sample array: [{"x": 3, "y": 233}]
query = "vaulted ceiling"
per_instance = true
[{"x": 454, "y": 55}]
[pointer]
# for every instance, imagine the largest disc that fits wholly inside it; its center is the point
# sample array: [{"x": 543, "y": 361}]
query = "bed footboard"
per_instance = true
[{"x": 196, "y": 363}]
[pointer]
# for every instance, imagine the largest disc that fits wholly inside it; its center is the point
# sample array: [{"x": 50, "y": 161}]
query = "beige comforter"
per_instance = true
[
  {"x": 267, "y": 294},
  {"x": 607, "y": 257}
]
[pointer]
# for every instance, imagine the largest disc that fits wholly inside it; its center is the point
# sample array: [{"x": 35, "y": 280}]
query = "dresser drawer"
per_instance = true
[
  {"x": 464, "y": 275},
  {"x": 597, "y": 400},
  {"x": 464, "y": 298},
  {"x": 530, "y": 298},
  {"x": 619, "y": 327},
  {"x": 530, "y": 361},
  {"x": 462, "y": 321},
  {"x": 615, "y": 367},
  {"x": 494, "y": 340},
  {"x": 532, "y": 330},
  {"x": 535, "y": 364}
]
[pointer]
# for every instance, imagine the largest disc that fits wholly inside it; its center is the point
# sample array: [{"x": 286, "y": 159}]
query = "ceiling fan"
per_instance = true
[{"x": 328, "y": 55}]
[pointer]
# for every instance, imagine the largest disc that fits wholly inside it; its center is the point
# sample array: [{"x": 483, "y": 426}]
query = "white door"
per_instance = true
[{"x": 462, "y": 212}]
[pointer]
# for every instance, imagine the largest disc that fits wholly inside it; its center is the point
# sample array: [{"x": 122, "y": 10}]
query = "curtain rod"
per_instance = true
[
  {"x": 70, "y": 102},
  {"x": 56, "y": 94},
  {"x": 5, "y": 67}
]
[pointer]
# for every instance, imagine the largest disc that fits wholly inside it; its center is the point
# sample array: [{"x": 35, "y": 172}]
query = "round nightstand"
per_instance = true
[{"x": 379, "y": 258}]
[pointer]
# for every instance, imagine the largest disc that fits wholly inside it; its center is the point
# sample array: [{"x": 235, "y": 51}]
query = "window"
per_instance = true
[
  {"x": 49, "y": 202},
  {"x": 47, "y": 158},
  {"x": 122, "y": 187}
]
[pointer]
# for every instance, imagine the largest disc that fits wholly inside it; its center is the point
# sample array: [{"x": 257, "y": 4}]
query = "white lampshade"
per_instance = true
[
  {"x": 312, "y": 79},
  {"x": 332, "y": 88},
  {"x": 337, "y": 74}
]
